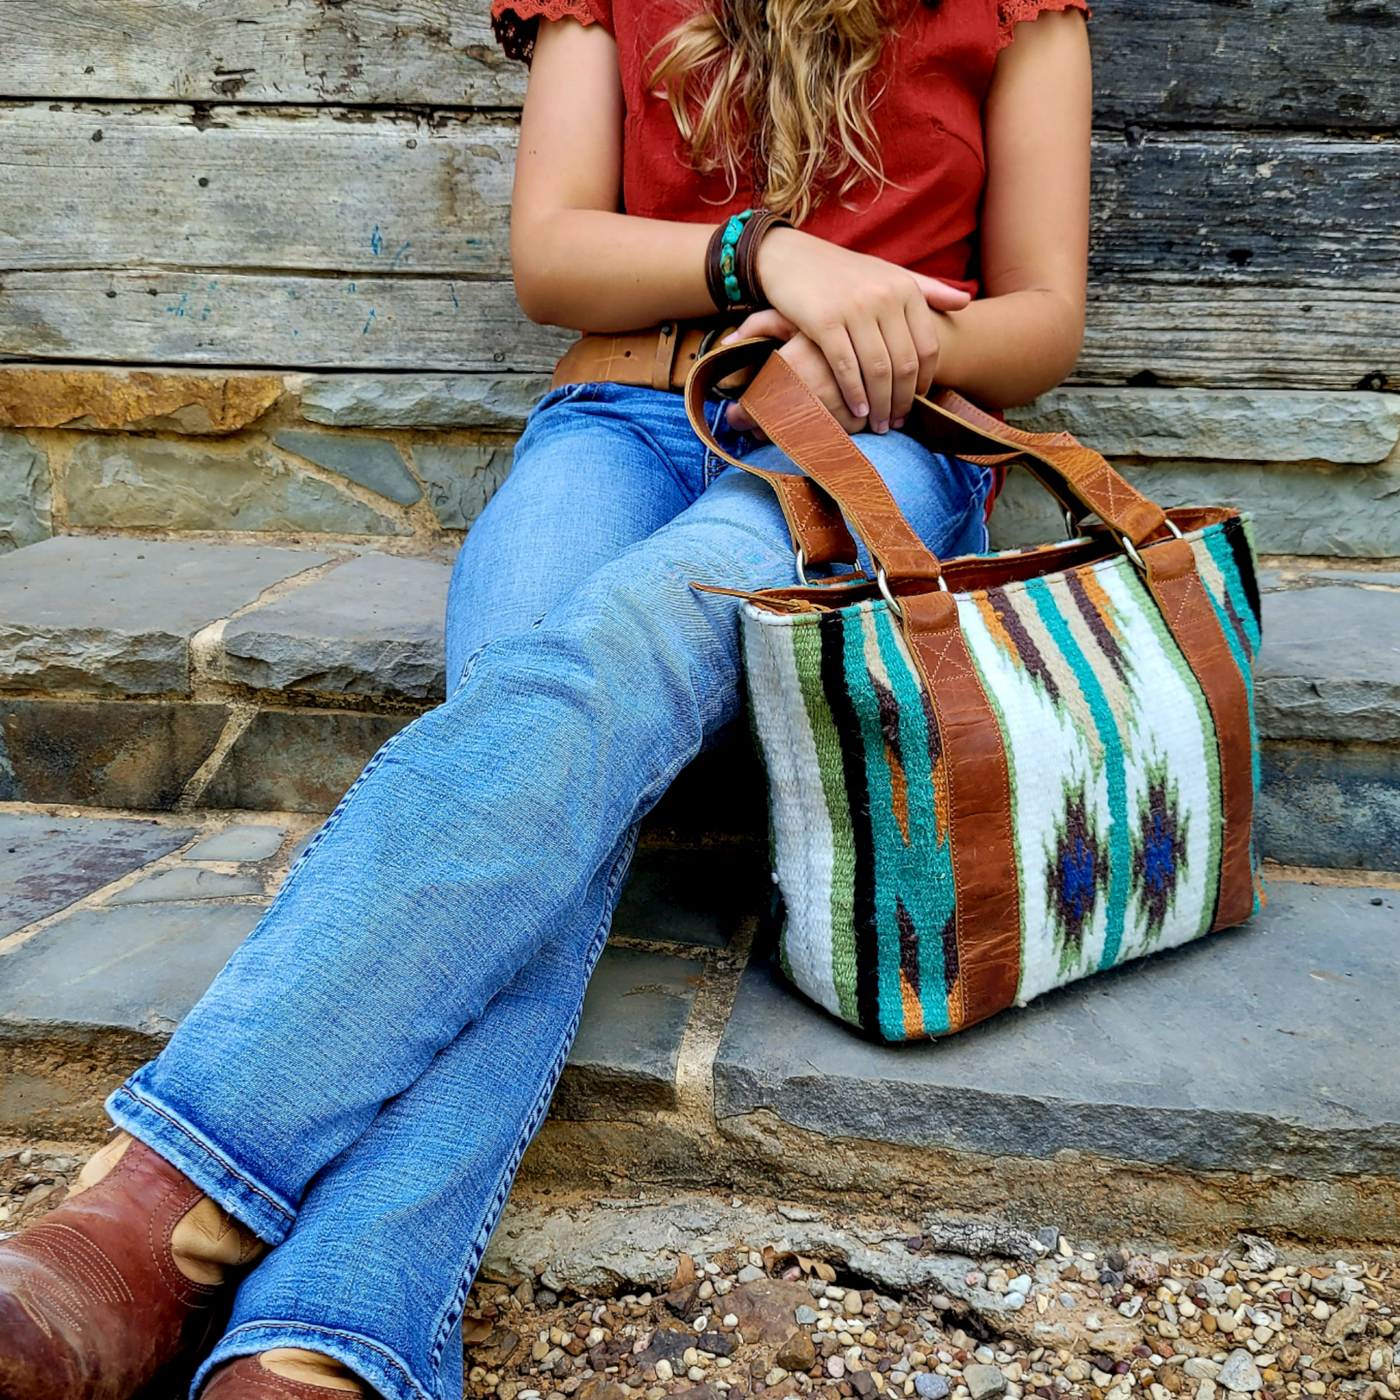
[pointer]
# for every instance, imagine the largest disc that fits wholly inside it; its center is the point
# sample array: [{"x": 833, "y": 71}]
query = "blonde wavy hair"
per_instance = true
[{"x": 785, "y": 84}]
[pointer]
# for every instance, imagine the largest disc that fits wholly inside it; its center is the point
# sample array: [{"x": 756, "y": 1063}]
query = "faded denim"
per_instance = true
[{"x": 359, "y": 1084}]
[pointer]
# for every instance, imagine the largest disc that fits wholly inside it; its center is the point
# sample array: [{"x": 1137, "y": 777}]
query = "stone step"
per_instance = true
[
  {"x": 151, "y": 675},
  {"x": 1244, "y": 1081},
  {"x": 112, "y": 927},
  {"x": 413, "y": 457}
]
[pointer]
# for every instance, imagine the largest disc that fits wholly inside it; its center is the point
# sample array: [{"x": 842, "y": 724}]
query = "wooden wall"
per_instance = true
[{"x": 306, "y": 183}]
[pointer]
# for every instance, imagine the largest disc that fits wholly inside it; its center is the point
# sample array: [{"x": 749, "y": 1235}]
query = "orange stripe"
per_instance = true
[
  {"x": 899, "y": 792},
  {"x": 995, "y": 625},
  {"x": 1103, "y": 604},
  {"x": 913, "y": 1009}
]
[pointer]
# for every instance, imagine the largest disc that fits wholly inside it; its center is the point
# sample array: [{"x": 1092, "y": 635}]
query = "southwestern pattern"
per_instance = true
[{"x": 1116, "y": 801}]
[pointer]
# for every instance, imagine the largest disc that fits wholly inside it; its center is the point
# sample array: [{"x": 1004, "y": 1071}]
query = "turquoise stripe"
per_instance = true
[
  {"x": 1119, "y": 844},
  {"x": 926, "y": 886},
  {"x": 886, "y": 836},
  {"x": 1215, "y": 542}
]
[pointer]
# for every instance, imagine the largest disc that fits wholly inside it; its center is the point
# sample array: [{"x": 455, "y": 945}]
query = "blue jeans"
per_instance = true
[{"x": 359, "y": 1084}]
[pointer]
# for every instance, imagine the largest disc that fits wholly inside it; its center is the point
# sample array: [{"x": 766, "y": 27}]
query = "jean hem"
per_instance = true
[
  {"x": 373, "y": 1363},
  {"x": 185, "y": 1148}
]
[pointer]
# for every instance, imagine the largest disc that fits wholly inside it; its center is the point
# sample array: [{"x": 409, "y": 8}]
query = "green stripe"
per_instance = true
[
  {"x": 806, "y": 655},
  {"x": 1119, "y": 842},
  {"x": 1219, "y": 548},
  {"x": 1224, "y": 557}
]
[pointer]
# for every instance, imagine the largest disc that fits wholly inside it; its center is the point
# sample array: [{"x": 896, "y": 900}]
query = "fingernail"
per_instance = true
[
  {"x": 862, "y": 409},
  {"x": 730, "y": 338},
  {"x": 882, "y": 427},
  {"x": 897, "y": 424}
]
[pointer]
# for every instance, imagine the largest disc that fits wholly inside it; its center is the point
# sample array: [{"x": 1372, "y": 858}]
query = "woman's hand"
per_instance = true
[
  {"x": 809, "y": 363},
  {"x": 873, "y": 323}
]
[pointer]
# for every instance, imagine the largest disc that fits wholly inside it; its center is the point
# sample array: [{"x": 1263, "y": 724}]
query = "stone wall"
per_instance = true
[{"x": 410, "y": 459}]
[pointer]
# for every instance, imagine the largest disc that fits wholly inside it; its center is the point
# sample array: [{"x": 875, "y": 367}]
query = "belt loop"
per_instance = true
[{"x": 666, "y": 342}]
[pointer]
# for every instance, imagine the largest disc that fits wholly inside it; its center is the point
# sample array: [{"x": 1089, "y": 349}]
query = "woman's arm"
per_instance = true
[
  {"x": 577, "y": 261},
  {"x": 1024, "y": 336},
  {"x": 864, "y": 333}
]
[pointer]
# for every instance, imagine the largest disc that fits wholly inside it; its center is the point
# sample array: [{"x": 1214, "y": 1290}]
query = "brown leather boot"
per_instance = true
[
  {"x": 127, "y": 1278},
  {"x": 284, "y": 1374}
]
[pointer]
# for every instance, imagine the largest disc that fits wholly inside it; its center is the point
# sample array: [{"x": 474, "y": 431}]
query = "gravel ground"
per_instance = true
[
  {"x": 749, "y": 1322},
  {"x": 1207, "y": 1327}
]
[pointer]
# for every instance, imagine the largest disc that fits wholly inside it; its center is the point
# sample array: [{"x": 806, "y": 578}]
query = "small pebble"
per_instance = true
[
  {"x": 984, "y": 1382},
  {"x": 1240, "y": 1373}
]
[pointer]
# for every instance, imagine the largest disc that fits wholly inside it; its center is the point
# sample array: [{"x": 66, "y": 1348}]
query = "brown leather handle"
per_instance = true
[
  {"x": 1077, "y": 476},
  {"x": 814, "y": 520},
  {"x": 799, "y": 423},
  {"x": 1071, "y": 472}
]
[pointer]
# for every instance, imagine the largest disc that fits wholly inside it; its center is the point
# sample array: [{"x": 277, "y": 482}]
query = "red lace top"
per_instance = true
[{"x": 933, "y": 77}]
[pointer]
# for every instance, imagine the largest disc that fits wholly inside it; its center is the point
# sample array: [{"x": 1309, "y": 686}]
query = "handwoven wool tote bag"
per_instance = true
[{"x": 992, "y": 775}]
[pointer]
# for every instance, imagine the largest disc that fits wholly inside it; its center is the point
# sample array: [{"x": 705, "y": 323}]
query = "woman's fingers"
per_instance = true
[
  {"x": 904, "y": 364},
  {"x": 811, "y": 367},
  {"x": 923, "y": 328},
  {"x": 737, "y": 417},
  {"x": 836, "y": 345},
  {"x": 876, "y": 371},
  {"x": 769, "y": 322},
  {"x": 939, "y": 295}
]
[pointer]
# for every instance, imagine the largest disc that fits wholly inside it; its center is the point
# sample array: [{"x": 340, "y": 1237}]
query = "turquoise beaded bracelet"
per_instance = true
[
  {"x": 728, "y": 256},
  {"x": 731, "y": 271}
]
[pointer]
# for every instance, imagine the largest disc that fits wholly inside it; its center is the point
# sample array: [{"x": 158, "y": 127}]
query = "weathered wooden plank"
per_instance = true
[
  {"x": 310, "y": 189},
  {"x": 1246, "y": 336},
  {"x": 293, "y": 322},
  {"x": 1168, "y": 333},
  {"x": 1248, "y": 209},
  {"x": 435, "y": 52},
  {"x": 296, "y": 188},
  {"x": 1326, "y": 64}
]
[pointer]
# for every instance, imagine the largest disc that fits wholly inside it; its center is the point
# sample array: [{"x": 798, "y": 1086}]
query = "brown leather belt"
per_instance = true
[
  {"x": 662, "y": 358},
  {"x": 658, "y": 358}
]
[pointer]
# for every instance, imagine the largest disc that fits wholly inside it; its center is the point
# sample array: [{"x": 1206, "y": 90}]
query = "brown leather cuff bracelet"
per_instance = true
[{"x": 741, "y": 276}]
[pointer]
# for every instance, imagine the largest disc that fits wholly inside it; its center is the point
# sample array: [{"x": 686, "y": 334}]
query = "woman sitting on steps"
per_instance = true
[{"x": 306, "y": 1178}]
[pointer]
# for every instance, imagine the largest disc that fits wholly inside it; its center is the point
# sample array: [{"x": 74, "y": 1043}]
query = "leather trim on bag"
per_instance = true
[
  {"x": 1186, "y": 608},
  {"x": 979, "y": 813}
]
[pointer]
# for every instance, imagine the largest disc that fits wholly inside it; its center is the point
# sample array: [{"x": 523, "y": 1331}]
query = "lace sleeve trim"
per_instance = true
[
  {"x": 1010, "y": 13},
  {"x": 515, "y": 22}
]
